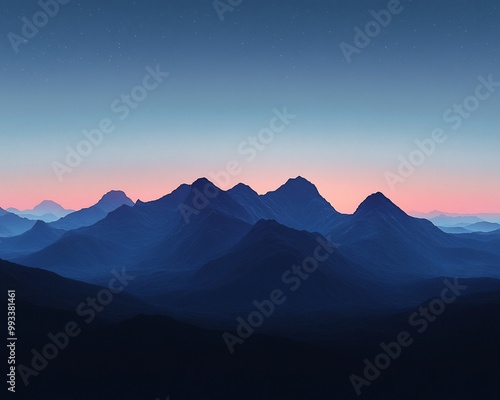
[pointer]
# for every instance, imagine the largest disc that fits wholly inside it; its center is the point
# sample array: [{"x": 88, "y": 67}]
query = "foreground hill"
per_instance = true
[
  {"x": 46, "y": 289},
  {"x": 456, "y": 357},
  {"x": 47, "y": 211}
]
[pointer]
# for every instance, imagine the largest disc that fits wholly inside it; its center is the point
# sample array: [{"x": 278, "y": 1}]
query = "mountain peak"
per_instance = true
[
  {"x": 243, "y": 189},
  {"x": 202, "y": 183},
  {"x": 205, "y": 186},
  {"x": 377, "y": 202},
  {"x": 115, "y": 193},
  {"x": 49, "y": 207},
  {"x": 298, "y": 186},
  {"x": 113, "y": 200},
  {"x": 48, "y": 203},
  {"x": 40, "y": 225},
  {"x": 300, "y": 181}
]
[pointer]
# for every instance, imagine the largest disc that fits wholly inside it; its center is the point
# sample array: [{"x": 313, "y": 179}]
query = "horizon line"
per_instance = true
[{"x": 135, "y": 200}]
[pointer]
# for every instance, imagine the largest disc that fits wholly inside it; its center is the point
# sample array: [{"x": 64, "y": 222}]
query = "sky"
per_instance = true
[{"x": 170, "y": 91}]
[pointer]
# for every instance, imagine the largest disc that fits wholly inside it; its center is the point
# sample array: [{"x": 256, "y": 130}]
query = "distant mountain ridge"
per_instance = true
[
  {"x": 89, "y": 216},
  {"x": 445, "y": 219},
  {"x": 238, "y": 236},
  {"x": 38, "y": 237},
  {"x": 12, "y": 224},
  {"x": 47, "y": 211},
  {"x": 283, "y": 265}
]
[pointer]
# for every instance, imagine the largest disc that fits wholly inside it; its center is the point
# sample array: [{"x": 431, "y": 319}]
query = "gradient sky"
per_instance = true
[{"x": 353, "y": 119}]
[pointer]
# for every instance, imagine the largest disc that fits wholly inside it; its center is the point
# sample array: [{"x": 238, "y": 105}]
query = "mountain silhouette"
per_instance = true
[
  {"x": 47, "y": 211},
  {"x": 89, "y": 216},
  {"x": 253, "y": 203},
  {"x": 483, "y": 226},
  {"x": 78, "y": 256},
  {"x": 384, "y": 238},
  {"x": 38, "y": 237},
  {"x": 198, "y": 223},
  {"x": 296, "y": 204},
  {"x": 204, "y": 260},
  {"x": 46, "y": 289},
  {"x": 12, "y": 224}
]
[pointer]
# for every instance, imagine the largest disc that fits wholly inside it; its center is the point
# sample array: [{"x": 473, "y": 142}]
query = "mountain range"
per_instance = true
[
  {"x": 14, "y": 222},
  {"x": 237, "y": 240},
  {"x": 200, "y": 259},
  {"x": 47, "y": 211}
]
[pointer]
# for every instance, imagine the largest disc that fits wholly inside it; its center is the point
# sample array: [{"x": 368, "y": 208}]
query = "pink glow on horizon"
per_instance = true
[{"x": 345, "y": 192}]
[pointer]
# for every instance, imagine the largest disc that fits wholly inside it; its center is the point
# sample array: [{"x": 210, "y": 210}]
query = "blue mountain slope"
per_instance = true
[
  {"x": 46, "y": 289},
  {"x": 382, "y": 237},
  {"x": 299, "y": 205},
  {"x": 38, "y": 237},
  {"x": 255, "y": 267},
  {"x": 296, "y": 204},
  {"x": 204, "y": 195},
  {"x": 253, "y": 203},
  {"x": 192, "y": 245},
  {"x": 200, "y": 239},
  {"x": 483, "y": 227},
  {"x": 89, "y": 216},
  {"x": 79, "y": 256},
  {"x": 152, "y": 235},
  {"x": 13, "y": 225},
  {"x": 47, "y": 211}
]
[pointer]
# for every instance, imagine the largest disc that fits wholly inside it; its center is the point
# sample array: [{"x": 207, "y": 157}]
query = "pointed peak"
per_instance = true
[
  {"x": 113, "y": 200},
  {"x": 298, "y": 186},
  {"x": 377, "y": 201},
  {"x": 241, "y": 186},
  {"x": 203, "y": 184},
  {"x": 48, "y": 203},
  {"x": 39, "y": 224},
  {"x": 379, "y": 196},
  {"x": 48, "y": 207},
  {"x": 201, "y": 181},
  {"x": 299, "y": 180},
  {"x": 114, "y": 193}
]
